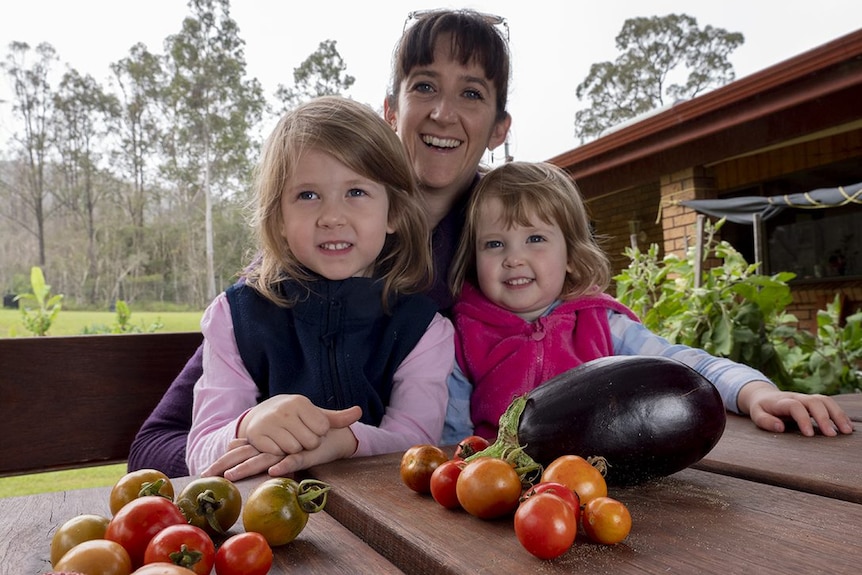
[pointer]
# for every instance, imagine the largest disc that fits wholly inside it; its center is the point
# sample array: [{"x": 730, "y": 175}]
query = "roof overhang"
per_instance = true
[{"x": 818, "y": 90}]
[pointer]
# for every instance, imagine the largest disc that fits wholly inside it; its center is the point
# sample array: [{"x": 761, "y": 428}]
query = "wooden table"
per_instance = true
[
  {"x": 28, "y": 523},
  {"x": 758, "y": 503},
  {"x": 829, "y": 466}
]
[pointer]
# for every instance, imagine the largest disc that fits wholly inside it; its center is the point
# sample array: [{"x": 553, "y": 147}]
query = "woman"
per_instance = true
[{"x": 448, "y": 105}]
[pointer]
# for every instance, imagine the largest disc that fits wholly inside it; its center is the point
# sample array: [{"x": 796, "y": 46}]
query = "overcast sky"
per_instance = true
[{"x": 553, "y": 42}]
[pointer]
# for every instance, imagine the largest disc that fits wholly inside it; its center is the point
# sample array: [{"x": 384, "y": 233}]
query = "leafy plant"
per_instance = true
[
  {"x": 829, "y": 360},
  {"x": 123, "y": 323},
  {"x": 732, "y": 312},
  {"x": 38, "y": 319}
]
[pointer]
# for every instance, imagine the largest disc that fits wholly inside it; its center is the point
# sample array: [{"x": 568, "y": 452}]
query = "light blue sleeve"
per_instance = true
[
  {"x": 457, "y": 425},
  {"x": 632, "y": 338}
]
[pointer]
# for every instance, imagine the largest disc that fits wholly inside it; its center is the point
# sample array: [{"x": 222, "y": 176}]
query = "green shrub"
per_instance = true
[
  {"x": 38, "y": 319},
  {"x": 123, "y": 323},
  {"x": 736, "y": 313}
]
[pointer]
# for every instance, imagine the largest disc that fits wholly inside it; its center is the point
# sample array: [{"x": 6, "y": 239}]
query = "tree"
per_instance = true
[
  {"x": 81, "y": 110},
  {"x": 323, "y": 73},
  {"x": 139, "y": 78},
  {"x": 33, "y": 101},
  {"x": 654, "y": 51},
  {"x": 214, "y": 108}
]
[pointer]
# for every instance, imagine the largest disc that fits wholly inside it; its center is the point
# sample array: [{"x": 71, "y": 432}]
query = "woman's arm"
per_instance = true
[{"x": 223, "y": 393}]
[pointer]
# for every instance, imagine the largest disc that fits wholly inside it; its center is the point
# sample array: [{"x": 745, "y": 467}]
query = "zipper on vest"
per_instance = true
[
  {"x": 538, "y": 329},
  {"x": 333, "y": 396}
]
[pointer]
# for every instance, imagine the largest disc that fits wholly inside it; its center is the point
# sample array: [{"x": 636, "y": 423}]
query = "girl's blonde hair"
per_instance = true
[
  {"x": 536, "y": 190},
  {"x": 360, "y": 139}
]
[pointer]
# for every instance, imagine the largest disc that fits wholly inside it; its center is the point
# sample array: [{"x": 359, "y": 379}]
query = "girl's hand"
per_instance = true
[
  {"x": 286, "y": 424},
  {"x": 768, "y": 406},
  {"x": 339, "y": 443},
  {"x": 244, "y": 460}
]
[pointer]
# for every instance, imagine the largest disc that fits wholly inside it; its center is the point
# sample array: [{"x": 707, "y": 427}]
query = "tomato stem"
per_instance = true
[
  {"x": 208, "y": 505},
  {"x": 311, "y": 494}
]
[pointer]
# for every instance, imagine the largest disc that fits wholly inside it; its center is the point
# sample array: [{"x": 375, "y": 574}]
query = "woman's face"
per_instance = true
[{"x": 446, "y": 119}]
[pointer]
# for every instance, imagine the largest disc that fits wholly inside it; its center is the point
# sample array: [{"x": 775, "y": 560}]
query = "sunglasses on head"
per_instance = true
[{"x": 492, "y": 19}]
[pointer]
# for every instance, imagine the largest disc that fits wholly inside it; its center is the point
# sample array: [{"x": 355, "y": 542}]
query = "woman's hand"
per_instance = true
[{"x": 768, "y": 407}]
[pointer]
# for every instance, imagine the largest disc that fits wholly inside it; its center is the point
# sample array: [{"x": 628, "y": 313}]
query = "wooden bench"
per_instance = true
[{"x": 76, "y": 401}]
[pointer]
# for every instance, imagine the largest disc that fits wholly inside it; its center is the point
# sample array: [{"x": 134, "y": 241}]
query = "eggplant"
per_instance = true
[{"x": 646, "y": 416}]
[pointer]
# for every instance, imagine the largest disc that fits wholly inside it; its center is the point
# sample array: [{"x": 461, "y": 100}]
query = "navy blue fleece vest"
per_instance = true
[{"x": 336, "y": 346}]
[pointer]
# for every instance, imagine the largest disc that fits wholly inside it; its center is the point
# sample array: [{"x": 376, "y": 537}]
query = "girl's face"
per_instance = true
[
  {"x": 446, "y": 119},
  {"x": 335, "y": 220},
  {"x": 522, "y": 268}
]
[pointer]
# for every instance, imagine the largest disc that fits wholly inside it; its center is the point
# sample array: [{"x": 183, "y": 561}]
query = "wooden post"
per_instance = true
[
  {"x": 698, "y": 255},
  {"x": 757, "y": 224}
]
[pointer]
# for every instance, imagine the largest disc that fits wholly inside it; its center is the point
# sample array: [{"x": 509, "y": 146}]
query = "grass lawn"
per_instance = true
[
  {"x": 73, "y": 323},
  {"x": 101, "y": 476}
]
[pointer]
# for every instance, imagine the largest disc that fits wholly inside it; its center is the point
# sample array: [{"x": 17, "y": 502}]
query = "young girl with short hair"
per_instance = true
[{"x": 530, "y": 281}]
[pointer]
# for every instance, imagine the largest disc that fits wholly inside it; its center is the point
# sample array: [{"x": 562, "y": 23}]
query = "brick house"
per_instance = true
[{"x": 791, "y": 128}]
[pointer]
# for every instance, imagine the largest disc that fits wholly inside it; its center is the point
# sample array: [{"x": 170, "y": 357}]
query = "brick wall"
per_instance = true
[
  {"x": 808, "y": 299},
  {"x": 611, "y": 214}
]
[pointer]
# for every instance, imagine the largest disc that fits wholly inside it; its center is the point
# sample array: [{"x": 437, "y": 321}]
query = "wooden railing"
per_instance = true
[{"x": 76, "y": 401}]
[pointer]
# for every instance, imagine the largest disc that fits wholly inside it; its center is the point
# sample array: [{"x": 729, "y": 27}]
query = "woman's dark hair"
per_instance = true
[{"x": 474, "y": 37}]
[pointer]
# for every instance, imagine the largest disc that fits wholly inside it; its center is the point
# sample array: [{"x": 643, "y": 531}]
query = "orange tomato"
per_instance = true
[
  {"x": 417, "y": 465},
  {"x": 139, "y": 483},
  {"x": 577, "y": 474},
  {"x": 96, "y": 556},
  {"x": 606, "y": 520},
  {"x": 488, "y": 487}
]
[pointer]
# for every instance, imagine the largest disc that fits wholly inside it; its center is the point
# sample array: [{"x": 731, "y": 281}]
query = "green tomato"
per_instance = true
[
  {"x": 77, "y": 530},
  {"x": 211, "y": 503},
  {"x": 279, "y": 508}
]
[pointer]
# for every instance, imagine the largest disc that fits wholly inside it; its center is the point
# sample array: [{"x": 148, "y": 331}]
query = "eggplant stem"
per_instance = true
[{"x": 508, "y": 447}]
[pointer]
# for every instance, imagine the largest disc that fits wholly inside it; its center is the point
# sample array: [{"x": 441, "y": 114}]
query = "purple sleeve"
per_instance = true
[{"x": 161, "y": 441}]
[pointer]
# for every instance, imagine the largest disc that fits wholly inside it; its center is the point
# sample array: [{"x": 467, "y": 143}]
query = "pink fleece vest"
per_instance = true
[{"x": 505, "y": 356}]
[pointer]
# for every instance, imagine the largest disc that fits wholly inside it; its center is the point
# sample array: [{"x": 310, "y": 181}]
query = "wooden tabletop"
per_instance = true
[
  {"x": 852, "y": 404},
  {"x": 28, "y": 523},
  {"x": 691, "y": 522},
  {"x": 760, "y": 502},
  {"x": 829, "y": 466}
]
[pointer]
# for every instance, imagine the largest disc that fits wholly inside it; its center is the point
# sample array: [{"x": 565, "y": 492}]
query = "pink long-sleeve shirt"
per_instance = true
[{"x": 225, "y": 391}]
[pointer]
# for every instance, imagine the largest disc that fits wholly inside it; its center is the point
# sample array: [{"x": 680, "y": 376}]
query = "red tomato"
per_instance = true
[
  {"x": 417, "y": 465},
  {"x": 244, "y": 554},
  {"x": 488, "y": 487},
  {"x": 545, "y": 525},
  {"x": 443, "y": 482},
  {"x": 577, "y": 474},
  {"x": 162, "y": 568},
  {"x": 186, "y": 545},
  {"x": 606, "y": 520},
  {"x": 560, "y": 491},
  {"x": 96, "y": 556},
  {"x": 470, "y": 445},
  {"x": 139, "y": 520}
]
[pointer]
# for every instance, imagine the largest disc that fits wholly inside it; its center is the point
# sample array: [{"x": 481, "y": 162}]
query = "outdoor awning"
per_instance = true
[{"x": 742, "y": 210}]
